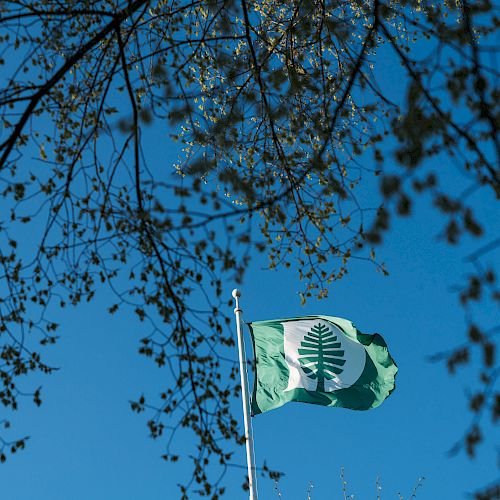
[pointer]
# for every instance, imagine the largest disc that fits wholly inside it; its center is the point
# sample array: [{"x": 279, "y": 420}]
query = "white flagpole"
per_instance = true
[{"x": 252, "y": 477}]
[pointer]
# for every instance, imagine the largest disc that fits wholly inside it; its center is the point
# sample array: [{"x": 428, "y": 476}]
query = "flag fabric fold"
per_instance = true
[{"x": 322, "y": 360}]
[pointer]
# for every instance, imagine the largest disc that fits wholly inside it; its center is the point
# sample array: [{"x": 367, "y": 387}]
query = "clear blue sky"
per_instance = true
[{"x": 87, "y": 444}]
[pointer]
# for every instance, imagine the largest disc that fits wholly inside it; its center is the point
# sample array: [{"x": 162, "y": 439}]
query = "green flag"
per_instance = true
[{"x": 321, "y": 360}]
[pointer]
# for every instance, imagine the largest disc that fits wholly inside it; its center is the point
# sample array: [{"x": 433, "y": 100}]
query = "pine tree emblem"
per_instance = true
[{"x": 320, "y": 356}]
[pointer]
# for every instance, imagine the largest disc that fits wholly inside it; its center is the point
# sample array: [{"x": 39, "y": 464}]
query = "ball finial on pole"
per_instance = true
[{"x": 236, "y": 295}]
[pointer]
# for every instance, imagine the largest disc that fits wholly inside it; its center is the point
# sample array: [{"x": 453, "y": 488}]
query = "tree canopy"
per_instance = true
[{"x": 282, "y": 117}]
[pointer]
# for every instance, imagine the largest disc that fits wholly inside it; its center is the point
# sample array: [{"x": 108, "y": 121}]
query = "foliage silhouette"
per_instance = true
[{"x": 280, "y": 113}]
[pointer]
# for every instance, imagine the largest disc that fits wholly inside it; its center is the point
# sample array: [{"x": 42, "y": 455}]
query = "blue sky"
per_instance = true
[{"x": 86, "y": 443}]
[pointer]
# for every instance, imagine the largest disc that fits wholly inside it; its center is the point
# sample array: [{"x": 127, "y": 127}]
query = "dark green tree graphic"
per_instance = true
[{"x": 320, "y": 356}]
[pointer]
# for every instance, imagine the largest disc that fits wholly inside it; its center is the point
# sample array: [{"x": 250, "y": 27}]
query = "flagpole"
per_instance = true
[{"x": 252, "y": 478}]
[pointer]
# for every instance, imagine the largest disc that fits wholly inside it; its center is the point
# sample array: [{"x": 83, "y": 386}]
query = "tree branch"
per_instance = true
[{"x": 118, "y": 18}]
